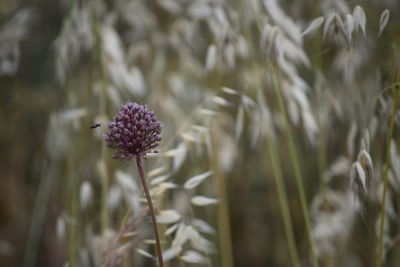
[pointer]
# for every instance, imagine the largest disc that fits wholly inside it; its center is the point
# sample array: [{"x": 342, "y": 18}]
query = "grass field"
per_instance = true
[{"x": 280, "y": 141}]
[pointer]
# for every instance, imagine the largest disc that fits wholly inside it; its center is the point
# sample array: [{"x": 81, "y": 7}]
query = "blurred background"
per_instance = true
[{"x": 280, "y": 141}]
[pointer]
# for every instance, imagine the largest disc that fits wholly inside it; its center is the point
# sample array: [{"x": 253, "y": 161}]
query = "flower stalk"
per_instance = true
[{"x": 151, "y": 209}]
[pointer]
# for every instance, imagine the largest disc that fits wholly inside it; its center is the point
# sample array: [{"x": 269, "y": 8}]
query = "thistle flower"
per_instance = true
[{"x": 134, "y": 131}]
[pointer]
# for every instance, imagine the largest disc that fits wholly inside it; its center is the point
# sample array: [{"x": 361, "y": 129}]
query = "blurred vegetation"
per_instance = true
[{"x": 215, "y": 73}]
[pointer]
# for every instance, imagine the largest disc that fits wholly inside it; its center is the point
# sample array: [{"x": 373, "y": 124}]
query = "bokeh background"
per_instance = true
[{"x": 280, "y": 142}]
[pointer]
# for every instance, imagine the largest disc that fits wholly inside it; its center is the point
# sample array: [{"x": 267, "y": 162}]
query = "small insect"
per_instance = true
[{"x": 94, "y": 125}]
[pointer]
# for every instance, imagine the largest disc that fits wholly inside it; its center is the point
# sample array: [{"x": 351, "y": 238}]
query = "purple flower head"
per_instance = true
[{"x": 134, "y": 131}]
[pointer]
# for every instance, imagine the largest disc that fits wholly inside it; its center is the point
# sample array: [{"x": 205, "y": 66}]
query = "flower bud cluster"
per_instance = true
[{"x": 134, "y": 131}]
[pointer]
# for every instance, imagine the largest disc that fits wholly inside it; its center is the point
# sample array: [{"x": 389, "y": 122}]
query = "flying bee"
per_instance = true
[{"x": 95, "y": 125}]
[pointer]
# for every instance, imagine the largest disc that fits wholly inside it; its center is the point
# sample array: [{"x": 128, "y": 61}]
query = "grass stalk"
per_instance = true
[
  {"x": 297, "y": 170},
  {"x": 280, "y": 186},
  {"x": 224, "y": 228},
  {"x": 283, "y": 201},
  {"x": 282, "y": 196},
  {"x": 151, "y": 209},
  {"x": 38, "y": 217},
  {"x": 379, "y": 258},
  {"x": 104, "y": 194},
  {"x": 73, "y": 209},
  {"x": 322, "y": 136},
  {"x": 103, "y": 110}
]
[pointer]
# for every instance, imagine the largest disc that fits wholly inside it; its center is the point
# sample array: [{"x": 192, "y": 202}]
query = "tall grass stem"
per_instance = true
[
  {"x": 283, "y": 202},
  {"x": 296, "y": 166},
  {"x": 385, "y": 179},
  {"x": 224, "y": 228},
  {"x": 280, "y": 186},
  {"x": 38, "y": 216}
]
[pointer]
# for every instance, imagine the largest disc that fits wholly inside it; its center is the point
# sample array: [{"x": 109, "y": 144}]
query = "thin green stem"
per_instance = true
[
  {"x": 283, "y": 202},
  {"x": 104, "y": 192},
  {"x": 151, "y": 209},
  {"x": 72, "y": 208},
  {"x": 322, "y": 148},
  {"x": 297, "y": 170},
  {"x": 38, "y": 216},
  {"x": 280, "y": 186},
  {"x": 385, "y": 180},
  {"x": 317, "y": 66},
  {"x": 103, "y": 110},
  {"x": 224, "y": 228}
]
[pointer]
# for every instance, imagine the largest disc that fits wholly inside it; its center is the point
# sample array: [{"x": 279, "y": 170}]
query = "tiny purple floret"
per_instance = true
[{"x": 134, "y": 131}]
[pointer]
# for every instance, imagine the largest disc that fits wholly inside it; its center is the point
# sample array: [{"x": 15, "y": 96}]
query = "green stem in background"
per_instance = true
[
  {"x": 385, "y": 179},
  {"x": 296, "y": 166},
  {"x": 322, "y": 142},
  {"x": 316, "y": 60},
  {"x": 316, "y": 41},
  {"x": 283, "y": 201},
  {"x": 104, "y": 192},
  {"x": 280, "y": 185},
  {"x": 317, "y": 66},
  {"x": 151, "y": 209},
  {"x": 224, "y": 228},
  {"x": 322, "y": 156},
  {"x": 103, "y": 110},
  {"x": 38, "y": 216},
  {"x": 73, "y": 207}
]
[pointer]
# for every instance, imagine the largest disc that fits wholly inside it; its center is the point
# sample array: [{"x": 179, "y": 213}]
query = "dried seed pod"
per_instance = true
[
  {"x": 86, "y": 194},
  {"x": 334, "y": 24},
  {"x": 315, "y": 24},
  {"x": 349, "y": 24},
  {"x": 358, "y": 183},
  {"x": 364, "y": 158},
  {"x": 383, "y": 21},
  {"x": 360, "y": 20}
]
